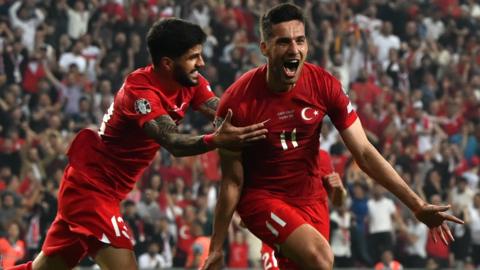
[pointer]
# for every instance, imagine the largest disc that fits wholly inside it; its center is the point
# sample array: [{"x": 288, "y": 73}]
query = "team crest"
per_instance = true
[{"x": 142, "y": 106}]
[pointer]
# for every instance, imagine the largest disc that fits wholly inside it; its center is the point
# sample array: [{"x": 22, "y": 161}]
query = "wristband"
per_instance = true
[{"x": 208, "y": 139}]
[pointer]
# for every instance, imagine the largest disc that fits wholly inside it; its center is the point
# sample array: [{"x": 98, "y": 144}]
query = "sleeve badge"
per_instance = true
[{"x": 142, "y": 106}]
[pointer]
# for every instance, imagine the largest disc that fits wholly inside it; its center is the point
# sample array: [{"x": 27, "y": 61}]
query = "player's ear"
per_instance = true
[
  {"x": 166, "y": 63},
  {"x": 263, "y": 48}
]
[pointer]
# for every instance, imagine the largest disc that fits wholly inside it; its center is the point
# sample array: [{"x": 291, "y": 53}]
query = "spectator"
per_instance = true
[
  {"x": 148, "y": 208},
  {"x": 14, "y": 56},
  {"x": 340, "y": 238},
  {"x": 12, "y": 248},
  {"x": 461, "y": 194},
  {"x": 388, "y": 263},
  {"x": 238, "y": 257},
  {"x": 152, "y": 258},
  {"x": 185, "y": 238},
  {"x": 381, "y": 213},
  {"x": 385, "y": 40},
  {"x": 9, "y": 211},
  {"x": 78, "y": 18},
  {"x": 463, "y": 238},
  {"x": 474, "y": 213},
  {"x": 360, "y": 211},
  {"x": 73, "y": 57},
  {"x": 198, "y": 252},
  {"x": 416, "y": 240},
  {"x": 27, "y": 18}
]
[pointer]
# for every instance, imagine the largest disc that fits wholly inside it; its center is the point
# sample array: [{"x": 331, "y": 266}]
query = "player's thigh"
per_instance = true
[
  {"x": 44, "y": 262},
  {"x": 271, "y": 220},
  {"x": 61, "y": 245},
  {"x": 110, "y": 258},
  {"x": 307, "y": 247}
]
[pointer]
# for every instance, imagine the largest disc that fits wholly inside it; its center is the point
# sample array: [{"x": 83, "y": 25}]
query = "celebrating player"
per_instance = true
[
  {"x": 275, "y": 185},
  {"x": 104, "y": 165}
]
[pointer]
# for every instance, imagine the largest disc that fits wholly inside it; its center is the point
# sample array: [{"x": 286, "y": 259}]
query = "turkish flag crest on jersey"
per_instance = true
[{"x": 309, "y": 114}]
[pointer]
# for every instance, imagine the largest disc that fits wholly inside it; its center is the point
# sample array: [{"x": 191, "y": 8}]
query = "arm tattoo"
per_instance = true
[
  {"x": 209, "y": 107},
  {"x": 166, "y": 133}
]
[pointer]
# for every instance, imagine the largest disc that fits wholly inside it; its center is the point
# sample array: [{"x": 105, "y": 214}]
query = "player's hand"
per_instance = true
[
  {"x": 232, "y": 137},
  {"x": 434, "y": 217},
  {"x": 338, "y": 191},
  {"x": 214, "y": 261}
]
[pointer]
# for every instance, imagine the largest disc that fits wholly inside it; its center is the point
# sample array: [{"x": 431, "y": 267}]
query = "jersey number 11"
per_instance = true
[{"x": 293, "y": 139}]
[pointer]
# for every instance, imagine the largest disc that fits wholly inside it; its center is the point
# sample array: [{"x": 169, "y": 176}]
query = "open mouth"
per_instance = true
[{"x": 290, "y": 67}]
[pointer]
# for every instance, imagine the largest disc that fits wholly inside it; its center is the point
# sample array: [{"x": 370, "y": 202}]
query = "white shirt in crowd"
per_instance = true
[
  {"x": 68, "y": 58},
  {"x": 340, "y": 238},
  {"x": 462, "y": 199},
  {"x": 434, "y": 28},
  {"x": 380, "y": 215},
  {"x": 474, "y": 224},
  {"x": 384, "y": 44},
  {"x": 420, "y": 231},
  {"x": 146, "y": 261},
  {"x": 28, "y": 27},
  {"x": 77, "y": 22}
]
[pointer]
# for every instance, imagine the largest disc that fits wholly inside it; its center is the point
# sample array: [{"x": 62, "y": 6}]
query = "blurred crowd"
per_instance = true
[{"x": 411, "y": 68}]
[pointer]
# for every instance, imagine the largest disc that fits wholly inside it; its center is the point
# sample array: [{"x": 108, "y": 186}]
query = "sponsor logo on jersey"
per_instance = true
[
  {"x": 142, "y": 106},
  {"x": 177, "y": 109}
]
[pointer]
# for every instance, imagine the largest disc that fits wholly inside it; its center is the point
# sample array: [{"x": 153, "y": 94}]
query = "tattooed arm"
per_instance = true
[
  {"x": 209, "y": 107},
  {"x": 166, "y": 133}
]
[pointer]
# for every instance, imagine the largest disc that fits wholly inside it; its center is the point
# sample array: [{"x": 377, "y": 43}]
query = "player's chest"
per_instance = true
[
  {"x": 290, "y": 122},
  {"x": 177, "y": 105}
]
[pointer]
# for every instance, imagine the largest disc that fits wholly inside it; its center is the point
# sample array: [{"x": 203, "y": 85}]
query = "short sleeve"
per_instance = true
[
  {"x": 325, "y": 162},
  {"x": 339, "y": 108},
  {"x": 224, "y": 105},
  {"x": 203, "y": 92},
  {"x": 141, "y": 104}
]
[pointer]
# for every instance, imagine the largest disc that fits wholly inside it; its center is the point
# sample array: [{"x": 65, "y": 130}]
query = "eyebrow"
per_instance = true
[
  {"x": 194, "y": 55},
  {"x": 287, "y": 39}
]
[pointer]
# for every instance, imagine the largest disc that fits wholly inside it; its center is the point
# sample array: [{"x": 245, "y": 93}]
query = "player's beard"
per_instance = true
[{"x": 184, "y": 78}]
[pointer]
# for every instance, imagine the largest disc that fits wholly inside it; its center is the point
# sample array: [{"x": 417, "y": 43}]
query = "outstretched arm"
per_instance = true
[
  {"x": 372, "y": 163},
  {"x": 230, "y": 190},
  {"x": 166, "y": 133}
]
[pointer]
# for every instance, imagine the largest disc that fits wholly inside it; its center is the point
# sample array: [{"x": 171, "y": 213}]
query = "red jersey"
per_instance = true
[
  {"x": 238, "y": 255},
  {"x": 325, "y": 162},
  {"x": 285, "y": 165},
  {"x": 115, "y": 157},
  {"x": 184, "y": 237}
]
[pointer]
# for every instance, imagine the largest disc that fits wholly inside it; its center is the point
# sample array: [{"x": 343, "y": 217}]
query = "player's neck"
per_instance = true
[{"x": 276, "y": 86}]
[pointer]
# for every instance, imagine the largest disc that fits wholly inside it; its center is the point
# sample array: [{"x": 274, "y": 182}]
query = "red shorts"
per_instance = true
[
  {"x": 273, "y": 220},
  {"x": 86, "y": 221}
]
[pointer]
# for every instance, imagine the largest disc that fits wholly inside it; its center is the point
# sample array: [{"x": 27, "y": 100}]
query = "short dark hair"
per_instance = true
[
  {"x": 173, "y": 37},
  {"x": 278, "y": 14}
]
